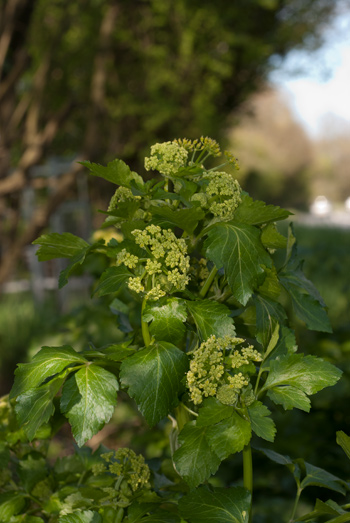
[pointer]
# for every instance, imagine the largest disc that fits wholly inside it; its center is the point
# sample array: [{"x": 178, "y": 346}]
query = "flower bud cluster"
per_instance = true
[
  {"x": 124, "y": 462},
  {"x": 224, "y": 194},
  {"x": 203, "y": 144},
  {"x": 165, "y": 269},
  {"x": 122, "y": 194},
  {"x": 211, "y": 369},
  {"x": 166, "y": 158},
  {"x": 168, "y": 257}
]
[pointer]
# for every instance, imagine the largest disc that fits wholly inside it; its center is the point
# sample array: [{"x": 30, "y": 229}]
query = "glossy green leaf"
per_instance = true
[
  {"x": 88, "y": 400},
  {"x": 308, "y": 308},
  {"x": 318, "y": 477},
  {"x": 116, "y": 172},
  {"x": 290, "y": 397},
  {"x": 112, "y": 280},
  {"x": 153, "y": 377},
  {"x": 237, "y": 248},
  {"x": 118, "y": 352},
  {"x": 212, "y": 412},
  {"x": 269, "y": 313},
  {"x": 195, "y": 460},
  {"x": 344, "y": 441},
  {"x": 229, "y": 436},
  {"x": 260, "y": 420},
  {"x": 271, "y": 238},
  {"x": 46, "y": 363},
  {"x": 34, "y": 407},
  {"x": 255, "y": 212},
  {"x": 55, "y": 245},
  {"x": 218, "y": 505},
  {"x": 167, "y": 317},
  {"x": 210, "y": 318},
  {"x": 185, "y": 219},
  {"x": 11, "y": 503},
  {"x": 307, "y": 373}
]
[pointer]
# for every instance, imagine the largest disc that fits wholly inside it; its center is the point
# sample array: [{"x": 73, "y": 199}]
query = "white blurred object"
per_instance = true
[
  {"x": 347, "y": 204},
  {"x": 321, "y": 206}
]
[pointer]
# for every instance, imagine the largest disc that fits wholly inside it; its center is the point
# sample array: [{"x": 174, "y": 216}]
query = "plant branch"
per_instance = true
[
  {"x": 208, "y": 282},
  {"x": 297, "y": 497},
  {"x": 144, "y": 326},
  {"x": 248, "y": 473}
]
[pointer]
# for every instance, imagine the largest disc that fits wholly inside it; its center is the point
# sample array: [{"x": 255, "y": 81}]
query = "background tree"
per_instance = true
[{"x": 105, "y": 78}]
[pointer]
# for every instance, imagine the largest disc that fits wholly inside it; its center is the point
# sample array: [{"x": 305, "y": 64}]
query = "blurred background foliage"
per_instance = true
[{"x": 99, "y": 79}]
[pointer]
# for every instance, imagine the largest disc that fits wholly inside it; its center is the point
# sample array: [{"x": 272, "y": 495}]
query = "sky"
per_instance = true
[{"x": 317, "y": 85}]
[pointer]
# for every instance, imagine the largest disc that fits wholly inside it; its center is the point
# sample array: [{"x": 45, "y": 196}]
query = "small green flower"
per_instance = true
[
  {"x": 166, "y": 158},
  {"x": 122, "y": 194}
]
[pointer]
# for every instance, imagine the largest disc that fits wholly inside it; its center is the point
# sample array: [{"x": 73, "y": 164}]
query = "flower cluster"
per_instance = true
[
  {"x": 132, "y": 474},
  {"x": 165, "y": 267},
  {"x": 122, "y": 194},
  {"x": 166, "y": 158},
  {"x": 213, "y": 373},
  {"x": 224, "y": 195},
  {"x": 203, "y": 144}
]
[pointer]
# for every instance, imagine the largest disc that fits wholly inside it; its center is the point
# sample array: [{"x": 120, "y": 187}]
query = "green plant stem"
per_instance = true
[
  {"x": 297, "y": 497},
  {"x": 182, "y": 416},
  {"x": 248, "y": 473},
  {"x": 144, "y": 326},
  {"x": 208, "y": 282}
]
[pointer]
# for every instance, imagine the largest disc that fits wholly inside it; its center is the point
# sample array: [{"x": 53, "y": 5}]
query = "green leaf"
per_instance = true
[
  {"x": 255, "y": 212},
  {"x": 218, "y": 505},
  {"x": 32, "y": 469},
  {"x": 195, "y": 460},
  {"x": 269, "y": 313},
  {"x": 212, "y": 412},
  {"x": 308, "y": 308},
  {"x": 55, "y": 245},
  {"x": 307, "y": 373},
  {"x": 153, "y": 376},
  {"x": 290, "y": 397},
  {"x": 271, "y": 238},
  {"x": 46, "y": 363},
  {"x": 116, "y": 172},
  {"x": 237, "y": 248},
  {"x": 34, "y": 407},
  {"x": 161, "y": 516},
  {"x": 86, "y": 516},
  {"x": 210, "y": 318},
  {"x": 260, "y": 420},
  {"x": 11, "y": 503},
  {"x": 112, "y": 280},
  {"x": 88, "y": 401},
  {"x": 286, "y": 344},
  {"x": 118, "y": 352},
  {"x": 281, "y": 459},
  {"x": 167, "y": 317},
  {"x": 344, "y": 441},
  {"x": 318, "y": 477},
  {"x": 271, "y": 288},
  {"x": 185, "y": 219},
  {"x": 77, "y": 260},
  {"x": 229, "y": 436},
  {"x": 4, "y": 455}
]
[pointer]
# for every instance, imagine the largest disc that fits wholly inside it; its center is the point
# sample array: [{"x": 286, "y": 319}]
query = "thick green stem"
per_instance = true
[
  {"x": 297, "y": 497},
  {"x": 248, "y": 473},
  {"x": 144, "y": 326},
  {"x": 208, "y": 282}
]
